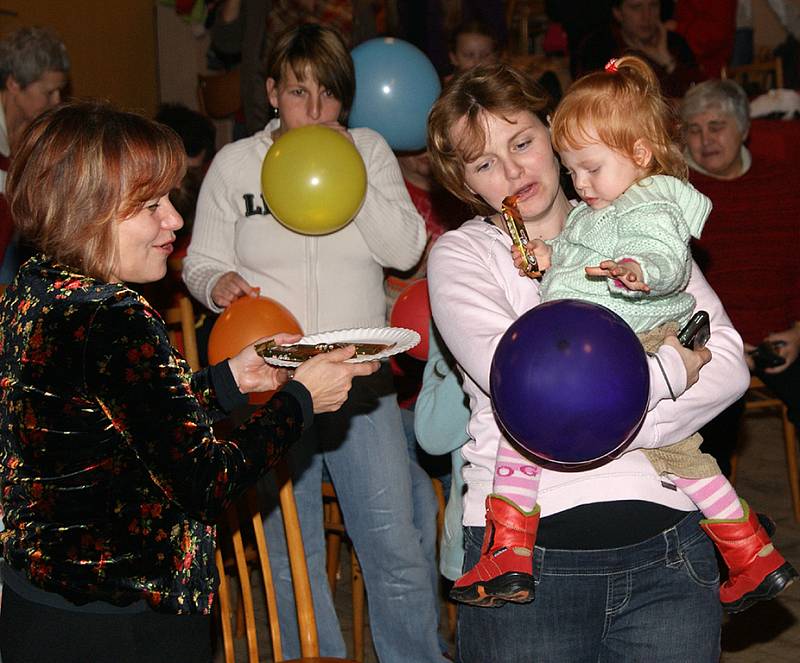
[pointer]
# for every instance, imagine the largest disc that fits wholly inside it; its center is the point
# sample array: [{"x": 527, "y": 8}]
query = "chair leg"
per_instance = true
[
  {"x": 358, "y": 606},
  {"x": 333, "y": 545},
  {"x": 334, "y": 531},
  {"x": 790, "y": 440},
  {"x": 224, "y": 608},
  {"x": 452, "y": 618}
]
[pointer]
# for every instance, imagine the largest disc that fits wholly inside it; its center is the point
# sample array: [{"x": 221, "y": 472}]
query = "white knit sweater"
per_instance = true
[{"x": 328, "y": 282}]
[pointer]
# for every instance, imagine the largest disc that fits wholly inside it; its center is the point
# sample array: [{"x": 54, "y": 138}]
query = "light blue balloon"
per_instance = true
[{"x": 396, "y": 85}]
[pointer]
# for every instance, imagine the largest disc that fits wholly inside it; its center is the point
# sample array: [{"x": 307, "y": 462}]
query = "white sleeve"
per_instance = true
[
  {"x": 470, "y": 306},
  {"x": 388, "y": 221},
  {"x": 211, "y": 251}
]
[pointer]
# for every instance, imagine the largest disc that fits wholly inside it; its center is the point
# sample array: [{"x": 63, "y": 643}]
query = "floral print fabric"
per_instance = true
[{"x": 112, "y": 477}]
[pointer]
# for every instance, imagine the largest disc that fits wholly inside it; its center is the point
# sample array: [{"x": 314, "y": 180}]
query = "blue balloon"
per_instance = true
[
  {"x": 396, "y": 85},
  {"x": 570, "y": 383}
]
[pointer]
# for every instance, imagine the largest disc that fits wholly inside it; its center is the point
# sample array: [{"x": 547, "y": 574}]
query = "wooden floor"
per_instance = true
[{"x": 767, "y": 632}]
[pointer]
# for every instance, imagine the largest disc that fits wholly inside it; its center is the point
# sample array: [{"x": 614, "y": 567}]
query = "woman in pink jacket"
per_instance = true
[{"x": 622, "y": 568}]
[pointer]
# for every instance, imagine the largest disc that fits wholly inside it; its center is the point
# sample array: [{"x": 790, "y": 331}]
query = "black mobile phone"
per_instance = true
[
  {"x": 765, "y": 356},
  {"x": 696, "y": 332}
]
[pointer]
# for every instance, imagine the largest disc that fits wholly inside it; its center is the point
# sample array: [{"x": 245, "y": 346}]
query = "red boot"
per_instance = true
[
  {"x": 504, "y": 571},
  {"x": 756, "y": 571}
]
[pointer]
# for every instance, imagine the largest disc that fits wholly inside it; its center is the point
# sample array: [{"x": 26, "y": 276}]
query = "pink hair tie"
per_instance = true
[{"x": 611, "y": 66}]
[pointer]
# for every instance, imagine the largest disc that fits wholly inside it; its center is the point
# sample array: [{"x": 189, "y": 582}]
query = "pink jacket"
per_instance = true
[{"x": 476, "y": 293}]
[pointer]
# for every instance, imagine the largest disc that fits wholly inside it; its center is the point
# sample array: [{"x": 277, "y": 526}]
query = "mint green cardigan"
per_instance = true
[{"x": 650, "y": 223}]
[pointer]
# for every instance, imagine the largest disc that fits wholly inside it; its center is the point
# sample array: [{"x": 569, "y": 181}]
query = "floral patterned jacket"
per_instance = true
[{"x": 112, "y": 477}]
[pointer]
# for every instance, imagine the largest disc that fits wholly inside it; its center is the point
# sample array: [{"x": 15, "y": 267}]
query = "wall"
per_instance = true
[
  {"x": 767, "y": 29},
  {"x": 112, "y": 45}
]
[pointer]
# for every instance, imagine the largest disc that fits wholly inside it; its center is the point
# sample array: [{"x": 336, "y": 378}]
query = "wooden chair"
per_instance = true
[
  {"x": 758, "y": 77},
  {"x": 760, "y": 399},
  {"x": 335, "y": 535},
  {"x": 449, "y": 603},
  {"x": 180, "y": 319},
  {"x": 219, "y": 95},
  {"x": 253, "y": 520}
]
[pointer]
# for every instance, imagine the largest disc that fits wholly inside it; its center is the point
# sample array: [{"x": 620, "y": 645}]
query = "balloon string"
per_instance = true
[{"x": 664, "y": 373}]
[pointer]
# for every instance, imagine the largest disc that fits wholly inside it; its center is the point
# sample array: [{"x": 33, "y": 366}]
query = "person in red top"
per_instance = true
[
  {"x": 748, "y": 250},
  {"x": 442, "y": 212},
  {"x": 708, "y": 28}
]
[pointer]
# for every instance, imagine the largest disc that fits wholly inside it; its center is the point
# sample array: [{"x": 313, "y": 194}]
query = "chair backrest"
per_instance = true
[
  {"x": 180, "y": 318},
  {"x": 219, "y": 95},
  {"x": 760, "y": 398},
  {"x": 246, "y": 517},
  {"x": 758, "y": 77}
]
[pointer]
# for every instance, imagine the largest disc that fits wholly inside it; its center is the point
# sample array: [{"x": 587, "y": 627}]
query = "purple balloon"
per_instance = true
[{"x": 569, "y": 382}]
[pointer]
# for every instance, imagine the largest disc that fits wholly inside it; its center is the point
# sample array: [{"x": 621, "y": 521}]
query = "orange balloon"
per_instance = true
[{"x": 244, "y": 322}]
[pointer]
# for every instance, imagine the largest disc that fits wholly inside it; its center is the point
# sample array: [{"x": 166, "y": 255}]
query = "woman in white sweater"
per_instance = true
[
  {"x": 621, "y": 566},
  {"x": 328, "y": 282}
]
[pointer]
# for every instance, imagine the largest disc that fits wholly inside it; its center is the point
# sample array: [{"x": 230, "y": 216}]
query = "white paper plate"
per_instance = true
[{"x": 403, "y": 339}]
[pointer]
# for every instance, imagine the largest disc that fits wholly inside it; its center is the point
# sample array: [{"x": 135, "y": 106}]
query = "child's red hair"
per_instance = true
[{"x": 623, "y": 104}]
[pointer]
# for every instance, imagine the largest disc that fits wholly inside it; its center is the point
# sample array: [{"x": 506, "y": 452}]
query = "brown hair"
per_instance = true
[
  {"x": 497, "y": 89},
  {"x": 321, "y": 50},
  {"x": 80, "y": 168},
  {"x": 623, "y": 106}
]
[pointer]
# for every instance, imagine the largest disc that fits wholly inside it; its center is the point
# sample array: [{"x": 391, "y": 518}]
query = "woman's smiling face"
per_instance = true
[{"x": 144, "y": 242}]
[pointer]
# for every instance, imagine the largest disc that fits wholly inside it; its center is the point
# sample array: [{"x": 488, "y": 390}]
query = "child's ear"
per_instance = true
[{"x": 642, "y": 154}]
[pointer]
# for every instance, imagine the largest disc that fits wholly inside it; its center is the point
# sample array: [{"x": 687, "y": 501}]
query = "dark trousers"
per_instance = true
[
  {"x": 34, "y": 632},
  {"x": 721, "y": 434},
  {"x": 786, "y": 386}
]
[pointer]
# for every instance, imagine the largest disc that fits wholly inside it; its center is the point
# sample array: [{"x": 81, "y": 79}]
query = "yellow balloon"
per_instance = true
[{"x": 313, "y": 180}]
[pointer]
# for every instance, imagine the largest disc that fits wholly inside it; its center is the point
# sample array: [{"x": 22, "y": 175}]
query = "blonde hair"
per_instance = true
[
  {"x": 498, "y": 89},
  {"x": 623, "y": 104},
  {"x": 81, "y": 168}
]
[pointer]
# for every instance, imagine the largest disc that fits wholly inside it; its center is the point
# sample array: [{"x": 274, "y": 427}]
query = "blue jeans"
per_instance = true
[
  {"x": 364, "y": 449},
  {"x": 654, "y": 601},
  {"x": 426, "y": 508}
]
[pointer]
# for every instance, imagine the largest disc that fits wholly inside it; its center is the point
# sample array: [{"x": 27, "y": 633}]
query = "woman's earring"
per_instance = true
[{"x": 276, "y": 112}]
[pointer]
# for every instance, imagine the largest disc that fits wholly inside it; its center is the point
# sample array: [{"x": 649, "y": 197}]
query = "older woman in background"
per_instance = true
[
  {"x": 33, "y": 73},
  {"x": 748, "y": 250}
]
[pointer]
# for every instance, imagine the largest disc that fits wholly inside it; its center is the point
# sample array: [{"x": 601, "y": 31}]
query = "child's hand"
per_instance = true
[
  {"x": 538, "y": 249},
  {"x": 627, "y": 274}
]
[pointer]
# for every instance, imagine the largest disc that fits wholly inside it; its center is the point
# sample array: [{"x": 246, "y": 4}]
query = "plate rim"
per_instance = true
[{"x": 321, "y": 337}]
